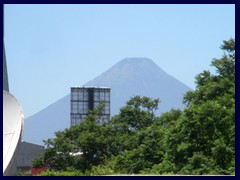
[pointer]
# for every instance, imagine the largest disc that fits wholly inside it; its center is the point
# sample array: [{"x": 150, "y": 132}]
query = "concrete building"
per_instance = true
[
  {"x": 87, "y": 98},
  {"x": 26, "y": 154}
]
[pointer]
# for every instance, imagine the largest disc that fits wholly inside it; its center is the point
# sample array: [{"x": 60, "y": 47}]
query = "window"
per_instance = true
[
  {"x": 74, "y": 96},
  {"x": 74, "y": 107}
]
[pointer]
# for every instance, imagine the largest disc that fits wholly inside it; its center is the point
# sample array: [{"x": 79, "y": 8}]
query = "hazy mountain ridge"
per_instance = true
[
  {"x": 129, "y": 77},
  {"x": 141, "y": 76}
]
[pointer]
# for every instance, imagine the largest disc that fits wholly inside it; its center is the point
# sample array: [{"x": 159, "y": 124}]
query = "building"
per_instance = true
[
  {"x": 87, "y": 98},
  {"x": 27, "y": 153}
]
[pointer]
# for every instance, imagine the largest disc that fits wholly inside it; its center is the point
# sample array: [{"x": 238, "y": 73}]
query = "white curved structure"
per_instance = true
[{"x": 12, "y": 132}]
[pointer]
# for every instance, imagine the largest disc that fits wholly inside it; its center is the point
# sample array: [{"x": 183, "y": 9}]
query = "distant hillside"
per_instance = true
[
  {"x": 129, "y": 77},
  {"x": 141, "y": 76}
]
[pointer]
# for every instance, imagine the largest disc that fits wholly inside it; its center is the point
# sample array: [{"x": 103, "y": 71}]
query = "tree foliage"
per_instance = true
[
  {"x": 137, "y": 114},
  {"x": 206, "y": 128}
]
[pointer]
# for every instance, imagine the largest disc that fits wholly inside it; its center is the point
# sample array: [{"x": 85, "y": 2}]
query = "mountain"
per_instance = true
[
  {"x": 141, "y": 76},
  {"x": 129, "y": 77},
  {"x": 43, "y": 124}
]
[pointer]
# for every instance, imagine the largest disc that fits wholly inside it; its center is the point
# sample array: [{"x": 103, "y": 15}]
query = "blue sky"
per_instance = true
[{"x": 52, "y": 47}]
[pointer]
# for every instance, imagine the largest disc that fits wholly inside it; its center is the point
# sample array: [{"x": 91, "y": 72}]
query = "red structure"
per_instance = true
[{"x": 35, "y": 171}]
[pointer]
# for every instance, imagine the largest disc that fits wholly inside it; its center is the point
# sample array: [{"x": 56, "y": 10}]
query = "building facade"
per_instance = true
[
  {"x": 26, "y": 154},
  {"x": 87, "y": 98}
]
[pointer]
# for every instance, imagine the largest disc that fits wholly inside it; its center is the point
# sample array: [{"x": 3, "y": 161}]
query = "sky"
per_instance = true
[{"x": 51, "y": 47}]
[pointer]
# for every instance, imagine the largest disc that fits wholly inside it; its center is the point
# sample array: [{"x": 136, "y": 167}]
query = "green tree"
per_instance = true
[
  {"x": 145, "y": 154},
  {"x": 138, "y": 113},
  {"x": 93, "y": 140},
  {"x": 206, "y": 127}
]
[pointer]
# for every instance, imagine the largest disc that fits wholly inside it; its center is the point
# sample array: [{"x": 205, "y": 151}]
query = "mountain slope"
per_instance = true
[
  {"x": 43, "y": 124},
  {"x": 141, "y": 76},
  {"x": 129, "y": 77}
]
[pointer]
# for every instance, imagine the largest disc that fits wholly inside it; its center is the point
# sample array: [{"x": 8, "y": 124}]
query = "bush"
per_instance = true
[{"x": 61, "y": 173}]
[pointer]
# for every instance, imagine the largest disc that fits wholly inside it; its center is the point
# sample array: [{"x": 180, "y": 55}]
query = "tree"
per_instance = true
[
  {"x": 93, "y": 140},
  {"x": 206, "y": 128},
  {"x": 137, "y": 114},
  {"x": 144, "y": 155}
]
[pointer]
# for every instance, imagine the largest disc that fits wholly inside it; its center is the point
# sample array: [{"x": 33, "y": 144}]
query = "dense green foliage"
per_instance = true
[{"x": 197, "y": 140}]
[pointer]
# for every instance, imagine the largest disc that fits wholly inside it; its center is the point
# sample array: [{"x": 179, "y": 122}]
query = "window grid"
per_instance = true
[{"x": 80, "y": 103}]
